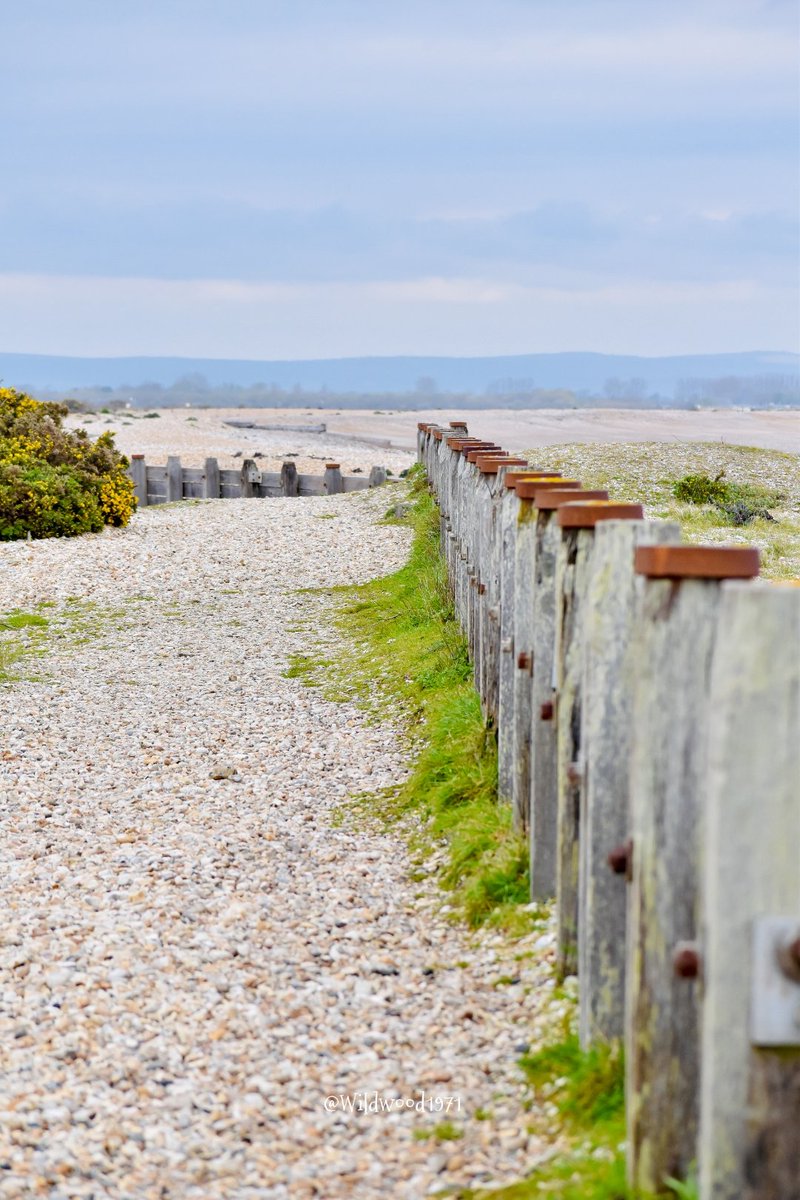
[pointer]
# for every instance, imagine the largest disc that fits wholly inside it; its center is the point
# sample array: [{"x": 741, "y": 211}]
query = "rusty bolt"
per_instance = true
[
  {"x": 621, "y": 859},
  {"x": 524, "y": 661},
  {"x": 481, "y": 589},
  {"x": 793, "y": 950},
  {"x": 789, "y": 958},
  {"x": 686, "y": 960},
  {"x": 574, "y": 775},
  {"x": 546, "y": 711}
]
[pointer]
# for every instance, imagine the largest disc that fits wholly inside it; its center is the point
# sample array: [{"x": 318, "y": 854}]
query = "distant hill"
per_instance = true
[{"x": 506, "y": 375}]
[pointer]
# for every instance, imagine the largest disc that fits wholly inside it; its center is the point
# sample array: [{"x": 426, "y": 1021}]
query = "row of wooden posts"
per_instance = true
[
  {"x": 646, "y": 697},
  {"x": 162, "y": 485}
]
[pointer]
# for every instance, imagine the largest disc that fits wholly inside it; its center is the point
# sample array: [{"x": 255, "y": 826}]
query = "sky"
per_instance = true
[{"x": 324, "y": 178}]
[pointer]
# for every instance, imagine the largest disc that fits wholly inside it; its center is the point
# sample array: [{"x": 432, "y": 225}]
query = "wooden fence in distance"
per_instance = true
[
  {"x": 646, "y": 696},
  {"x": 163, "y": 485}
]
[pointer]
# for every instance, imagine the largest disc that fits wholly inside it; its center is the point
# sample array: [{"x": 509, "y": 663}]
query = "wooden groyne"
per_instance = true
[
  {"x": 165, "y": 484},
  {"x": 646, "y": 698}
]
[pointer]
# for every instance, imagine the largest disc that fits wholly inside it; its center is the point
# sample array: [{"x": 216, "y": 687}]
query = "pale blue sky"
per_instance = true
[{"x": 251, "y": 178}]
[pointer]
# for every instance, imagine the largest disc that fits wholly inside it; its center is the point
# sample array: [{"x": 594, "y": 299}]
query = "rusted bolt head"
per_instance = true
[
  {"x": 481, "y": 589},
  {"x": 524, "y": 661},
  {"x": 574, "y": 774},
  {"x": 621, "y": 858},
  {"x": 789, "y": 958},
  {"x": 546, "y": 711},
  {"x": 686, "y": 960}
]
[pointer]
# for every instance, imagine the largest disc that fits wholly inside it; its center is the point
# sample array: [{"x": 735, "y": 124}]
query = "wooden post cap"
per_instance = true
[
  {"x": 137, "y": 456},
  {"x": 593, "y": 507},
  {"x": 332, "y": 466},
  {"x": 511, "y": 478},
  {"x": 527, "y": 488},
  {"x": 423, "y": 425},
  {"x": 473, "y": 454},
  {"x": 696, "y": 562},
  {"x": 491, "y": 464},
  {"x": 552, "y": 498},
  {"x": 458, "y": 424},
  {"x": 437, "y": 434}
]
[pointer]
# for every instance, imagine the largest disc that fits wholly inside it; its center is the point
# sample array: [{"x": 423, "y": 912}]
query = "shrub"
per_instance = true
[
  {"x": 700, "y": 489},
  {"x": 54, "y": 482},
  {"x": 740, "y": 503}
]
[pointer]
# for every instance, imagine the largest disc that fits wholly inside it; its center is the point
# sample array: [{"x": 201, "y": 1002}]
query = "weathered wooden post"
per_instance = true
[
  {"x": 450, "y": 507},
  {"x": 675, "y": 641},
  {"x": 138, "y": 473},
  {"x": 290, "y": 482},
  {"x": 471, "y": 533},
  {"x": 250, "y": 477},
  {"x": 576, "y": 521},
  {"x": 332, "y": 479},
  {"x": 377, "y": 477},
  {"x": 606, "y": 716},
  {"x": 750, "y": 947},
  {"x": 526, "y": 663},
  {"x": 543, "y": 800},
  {"x": 488, "y": 555},
  {"x": 465, "y": 475},
  {"x": 509, "y": 515},
  {"x": 211, "y": 472},
  {"x": 174, "y": 479},
  {"x": 422, "y": 429},
  {"x": 458, "y": 522}
]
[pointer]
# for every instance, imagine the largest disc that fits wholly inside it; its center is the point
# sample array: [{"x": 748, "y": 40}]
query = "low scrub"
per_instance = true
[
  {"x": 54, "y": 482},
  {"x": 740, "y": 502}
]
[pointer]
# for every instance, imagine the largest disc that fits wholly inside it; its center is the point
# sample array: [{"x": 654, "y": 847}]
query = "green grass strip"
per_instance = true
[{"x": 409, "y": 655}]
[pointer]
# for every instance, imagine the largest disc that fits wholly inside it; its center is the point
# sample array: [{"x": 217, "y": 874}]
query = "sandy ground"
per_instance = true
[{"x": 360, "y": 439}]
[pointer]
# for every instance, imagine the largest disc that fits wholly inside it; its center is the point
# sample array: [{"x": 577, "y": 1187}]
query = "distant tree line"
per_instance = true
[{"x": 762, "y": 391}]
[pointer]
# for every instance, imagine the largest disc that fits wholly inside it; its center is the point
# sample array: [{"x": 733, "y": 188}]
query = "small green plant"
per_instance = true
[
  {"x": 700, "y": 489},
  {"x": 689, "y": 1190},
  {"x": 592, "y": 1092},
  {"x": 445, "y": 1131}
]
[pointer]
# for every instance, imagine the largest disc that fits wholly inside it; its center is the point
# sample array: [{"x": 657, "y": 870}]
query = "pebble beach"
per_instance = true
[{"x": 203, "y": 969}]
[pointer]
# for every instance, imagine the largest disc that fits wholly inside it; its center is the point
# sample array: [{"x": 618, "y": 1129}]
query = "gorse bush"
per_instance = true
[
  {"x": 741, "y": 503},
  {"x": 700, "y": 489},
  {"x": 55, "y": 482}
]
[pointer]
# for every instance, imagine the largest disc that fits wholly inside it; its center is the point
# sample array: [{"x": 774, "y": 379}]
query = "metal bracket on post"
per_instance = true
[{"x": 775, "y": 997}]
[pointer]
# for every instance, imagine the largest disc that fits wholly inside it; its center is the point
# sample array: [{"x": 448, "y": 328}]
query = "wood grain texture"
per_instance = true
[
  {"x": 750, "y": 1100},
  {"x": 138, "y": 474},
  {"x": 672, "y": 664},
  {"x": 524, "y": 624},
  {"x": 509, "y": 512},
  {"x": 606, "y": 727},
  {"x": 573, "y": 558},
  {"x": 543, "y": 802},
  {"x": 174, "y": 479}
]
